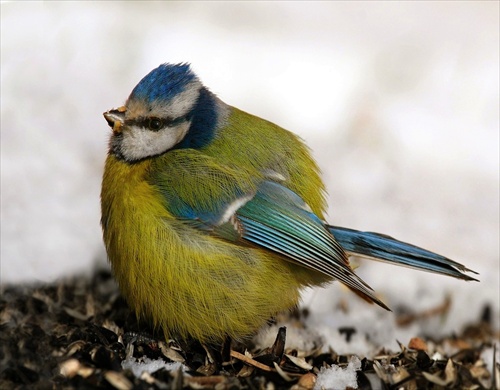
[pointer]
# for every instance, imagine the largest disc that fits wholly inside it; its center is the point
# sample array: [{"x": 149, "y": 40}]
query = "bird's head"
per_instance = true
[{"x": 169, "y": 108}]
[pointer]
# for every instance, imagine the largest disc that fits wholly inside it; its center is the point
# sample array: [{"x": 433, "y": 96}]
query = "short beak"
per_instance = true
[{"x": 116, "y": 118}]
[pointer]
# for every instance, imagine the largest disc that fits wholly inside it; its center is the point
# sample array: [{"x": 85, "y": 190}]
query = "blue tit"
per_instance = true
[{"x": 213, "y": 219}]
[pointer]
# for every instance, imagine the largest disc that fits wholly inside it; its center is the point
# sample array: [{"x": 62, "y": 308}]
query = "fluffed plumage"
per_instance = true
[{"x": 213, "y": 218}]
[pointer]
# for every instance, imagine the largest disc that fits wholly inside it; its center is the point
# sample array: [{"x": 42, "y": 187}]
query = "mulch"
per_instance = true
[{"x": 76, "y": 334}]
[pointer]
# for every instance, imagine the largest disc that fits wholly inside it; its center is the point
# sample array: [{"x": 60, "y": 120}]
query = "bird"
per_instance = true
[{"x": 213, "y": 219}]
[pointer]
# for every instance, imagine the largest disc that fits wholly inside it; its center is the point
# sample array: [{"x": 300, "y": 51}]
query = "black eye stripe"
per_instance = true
[{"x": 156, "y": 123}]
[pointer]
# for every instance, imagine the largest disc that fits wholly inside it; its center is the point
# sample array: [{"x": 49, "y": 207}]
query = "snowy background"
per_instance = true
[{"x": 399, "y": 102}]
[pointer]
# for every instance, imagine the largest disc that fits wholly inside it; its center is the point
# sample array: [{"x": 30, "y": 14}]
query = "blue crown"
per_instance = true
[{"x": 163, "y": 83}]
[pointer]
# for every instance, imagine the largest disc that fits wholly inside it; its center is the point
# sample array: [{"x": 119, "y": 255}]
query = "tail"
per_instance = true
[{"x": 387, "y": 249}]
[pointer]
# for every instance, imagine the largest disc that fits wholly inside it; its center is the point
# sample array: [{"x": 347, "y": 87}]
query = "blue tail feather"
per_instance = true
[{"x": 388, "y": 249}]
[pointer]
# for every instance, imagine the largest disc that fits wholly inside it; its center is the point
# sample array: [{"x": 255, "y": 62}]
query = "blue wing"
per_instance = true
[{"x": 279, "y": 220}]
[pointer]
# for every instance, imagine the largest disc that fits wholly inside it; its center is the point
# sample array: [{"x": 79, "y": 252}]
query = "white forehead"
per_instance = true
[{"x": 176, "y": 107}]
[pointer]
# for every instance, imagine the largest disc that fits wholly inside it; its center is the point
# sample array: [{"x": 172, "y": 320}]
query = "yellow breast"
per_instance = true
[{"x": 183, "y": 280}]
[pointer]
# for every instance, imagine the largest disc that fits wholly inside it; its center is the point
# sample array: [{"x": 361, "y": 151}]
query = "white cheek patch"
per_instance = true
[{"x": 138, "y": 143}]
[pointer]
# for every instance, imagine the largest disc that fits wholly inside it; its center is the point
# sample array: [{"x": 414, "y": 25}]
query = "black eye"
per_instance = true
[{"x": 154, "y": 124}]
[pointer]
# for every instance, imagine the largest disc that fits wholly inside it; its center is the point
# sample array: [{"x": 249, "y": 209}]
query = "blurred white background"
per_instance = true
[{"x": 399, "y": 102}]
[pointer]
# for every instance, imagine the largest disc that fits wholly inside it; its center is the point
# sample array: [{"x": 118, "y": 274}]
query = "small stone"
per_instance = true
[
  {"x": 418, "y": 344},
  {"x": 307, "y": 381}
]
